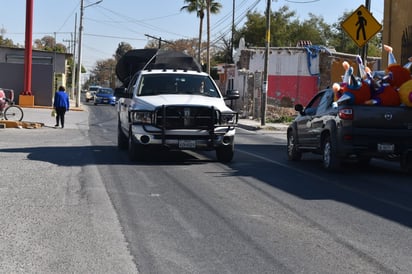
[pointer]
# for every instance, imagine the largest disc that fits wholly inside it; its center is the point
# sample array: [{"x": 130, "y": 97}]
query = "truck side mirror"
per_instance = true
[
  {"x": 121, "y": 93},
  {"x": 232, "y": 94},
  {"x": 299, "y": 108}
]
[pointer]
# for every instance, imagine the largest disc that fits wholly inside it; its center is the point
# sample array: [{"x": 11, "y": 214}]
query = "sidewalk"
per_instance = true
[
  {"x": 35, "y": 117},
  {"x": 251, "y": 124}
]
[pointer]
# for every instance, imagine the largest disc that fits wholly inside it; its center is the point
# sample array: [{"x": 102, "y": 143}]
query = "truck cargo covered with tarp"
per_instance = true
[{"x": 138, "y": 59}]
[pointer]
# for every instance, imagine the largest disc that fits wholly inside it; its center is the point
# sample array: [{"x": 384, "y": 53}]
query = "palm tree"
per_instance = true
[{"x": 199, "y": 6}]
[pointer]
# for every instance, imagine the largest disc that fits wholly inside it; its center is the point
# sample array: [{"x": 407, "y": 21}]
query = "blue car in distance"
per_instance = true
[{"x": 105, "y": 96}]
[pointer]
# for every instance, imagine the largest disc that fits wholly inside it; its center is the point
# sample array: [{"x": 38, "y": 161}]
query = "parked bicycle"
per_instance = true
[{"x": 8, "y": 110}]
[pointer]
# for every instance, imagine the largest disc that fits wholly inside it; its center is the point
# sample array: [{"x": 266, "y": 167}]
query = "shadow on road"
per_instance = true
[
  {"x": 102, "y": 155},
  {"x": 381, "y": 188}
]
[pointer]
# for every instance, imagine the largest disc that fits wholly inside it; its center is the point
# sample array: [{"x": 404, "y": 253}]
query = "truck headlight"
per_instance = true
[
  {"x": 228, "y": 118},
  {"x": 141, "y": 117}
]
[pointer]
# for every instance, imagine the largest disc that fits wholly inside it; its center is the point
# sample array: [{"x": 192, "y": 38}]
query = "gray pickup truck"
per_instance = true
[
  {"x": 167, "y": 102},
  {"x": 350, "y": 132}
]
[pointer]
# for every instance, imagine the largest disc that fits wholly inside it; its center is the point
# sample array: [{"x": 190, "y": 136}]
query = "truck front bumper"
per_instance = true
[{"x": 191, "y": 139}]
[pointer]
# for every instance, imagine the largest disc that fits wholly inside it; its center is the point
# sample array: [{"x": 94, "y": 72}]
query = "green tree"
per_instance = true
[
  {"x": 48, "y": 43},
  {"x": 189, "y": 46},
  {"x": 5, "y": 42},
  {"x": 313, "y": 29},
  {"x": 198, "y": 7},
  {"x": 223, "y": 52},
  {"x": 104, "y": 73},
  {"x": 286, "y": 31},
  {"x": 121, "y": 50},
  {"x": 254, "y": 29}
]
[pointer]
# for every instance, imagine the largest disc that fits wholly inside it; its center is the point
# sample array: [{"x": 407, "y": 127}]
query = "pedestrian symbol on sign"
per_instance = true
[{"x": 361, "y": 26}]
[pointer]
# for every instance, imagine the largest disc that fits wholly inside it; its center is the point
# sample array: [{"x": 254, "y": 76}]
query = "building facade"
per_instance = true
[
  {"x": 48, "y": 72},
  {"x": 397, "y": 30}
]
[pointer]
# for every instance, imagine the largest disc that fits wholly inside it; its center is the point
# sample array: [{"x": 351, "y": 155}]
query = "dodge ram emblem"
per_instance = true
[
  {"x": 388, "y": 116},
  {"x": 186, "y": 117}
]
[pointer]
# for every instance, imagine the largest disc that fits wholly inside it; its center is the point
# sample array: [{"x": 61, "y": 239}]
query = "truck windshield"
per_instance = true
[{"x": 155, "y": 84}]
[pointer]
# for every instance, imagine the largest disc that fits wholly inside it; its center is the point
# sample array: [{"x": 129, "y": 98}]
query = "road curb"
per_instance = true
[
  {"x": 265, "y": 127},
  {"x": 19, "y": 124}
]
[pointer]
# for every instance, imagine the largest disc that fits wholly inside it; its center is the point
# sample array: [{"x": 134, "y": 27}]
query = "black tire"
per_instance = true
[
  {"x": 293, "y": 152},
  {"x": 364, "y": 161},
  {"x": 14, "y": 113},
  {"x": 224, "y": 154},
  {"x": 122, "y": 140},
  {"x": 330, "y": 159},
  {"x": 135, "y": 150},
  {"x": 406, "y": 163}
]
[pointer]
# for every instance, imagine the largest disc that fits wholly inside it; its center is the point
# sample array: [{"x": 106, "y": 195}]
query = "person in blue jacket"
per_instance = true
[{"x": 61, "y": 104}]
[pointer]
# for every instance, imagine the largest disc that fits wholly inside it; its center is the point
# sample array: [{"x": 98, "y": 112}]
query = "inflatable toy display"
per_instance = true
[{"x": 391, "y": 87}]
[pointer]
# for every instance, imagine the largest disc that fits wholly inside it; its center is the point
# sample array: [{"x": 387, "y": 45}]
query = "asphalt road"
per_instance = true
[{"x": 72, "y": 202}]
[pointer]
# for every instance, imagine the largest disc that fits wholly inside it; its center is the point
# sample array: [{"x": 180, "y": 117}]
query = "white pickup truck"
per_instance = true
[{"x": 167, "y": 102}]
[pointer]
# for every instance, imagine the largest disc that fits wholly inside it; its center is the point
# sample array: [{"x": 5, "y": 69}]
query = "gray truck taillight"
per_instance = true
[{"x": 346, "y": 113}]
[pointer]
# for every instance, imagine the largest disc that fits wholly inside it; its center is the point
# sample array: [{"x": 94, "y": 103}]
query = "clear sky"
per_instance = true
[{"x": 113, "y": 21}]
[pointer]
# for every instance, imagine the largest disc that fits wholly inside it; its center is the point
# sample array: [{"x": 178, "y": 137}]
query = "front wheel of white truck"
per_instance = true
[
  {"x": 225, "y": 153},
  {"x": 122, "y": 141},
  {"x": 135, "y": 150}
]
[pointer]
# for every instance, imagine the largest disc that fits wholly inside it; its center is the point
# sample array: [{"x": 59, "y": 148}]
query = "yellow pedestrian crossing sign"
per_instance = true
[{"x": 361, "y": 26}]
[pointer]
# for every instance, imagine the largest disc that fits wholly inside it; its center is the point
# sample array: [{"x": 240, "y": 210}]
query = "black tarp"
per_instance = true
[
  {"x": 174, "y": 60},
  {"x": 138, "y": 59},
  {"x": 132, "y": 62}
]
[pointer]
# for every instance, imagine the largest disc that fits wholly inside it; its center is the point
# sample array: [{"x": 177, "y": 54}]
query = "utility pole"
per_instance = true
[
  {"x": 208, "y": 36},
  {"x": 265, "y": 69},
  {"x": 54, "y": 63},
  {"x": 74, "y": 59},
  {"x": 159, "y": 39},
  {"x": 79, "y": 56},
  {"x": 233, "y": 31}
]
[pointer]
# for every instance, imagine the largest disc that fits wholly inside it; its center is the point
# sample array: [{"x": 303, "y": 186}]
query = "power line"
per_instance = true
[
  {"x": 114, "y": 37},
  {"x": 159, "y": 39},
  {"x": 238, "y": 20}
]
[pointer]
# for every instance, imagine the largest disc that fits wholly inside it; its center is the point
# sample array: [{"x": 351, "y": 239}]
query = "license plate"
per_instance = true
[
  {"x": 187, "y": 144},
  {"x": 386, "y": 147}
]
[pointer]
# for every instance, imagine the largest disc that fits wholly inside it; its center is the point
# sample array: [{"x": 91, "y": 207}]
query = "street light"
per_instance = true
[{"x": 79, "y": 57}]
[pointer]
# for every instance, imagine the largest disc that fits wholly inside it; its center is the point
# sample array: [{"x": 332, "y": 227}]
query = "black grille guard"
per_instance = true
[{"x": 190, "y": 117}]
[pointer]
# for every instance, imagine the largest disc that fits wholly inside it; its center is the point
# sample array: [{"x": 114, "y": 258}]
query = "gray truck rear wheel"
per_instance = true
[{"x": 329, "y": 155}]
